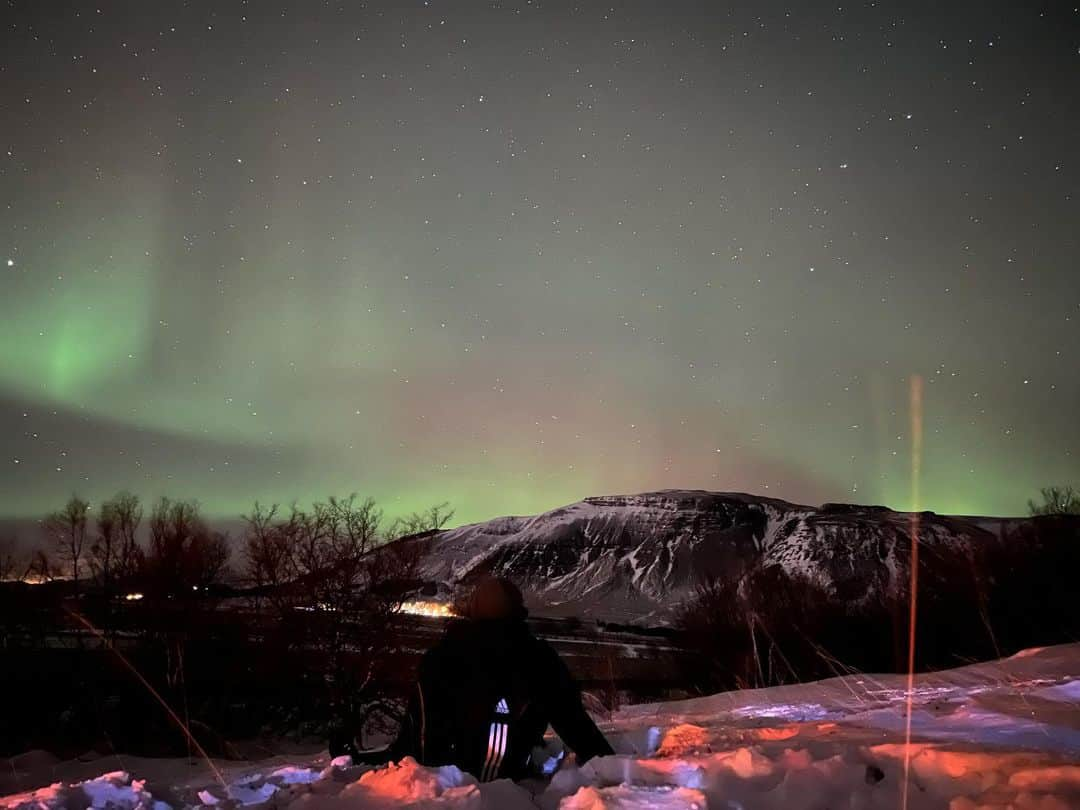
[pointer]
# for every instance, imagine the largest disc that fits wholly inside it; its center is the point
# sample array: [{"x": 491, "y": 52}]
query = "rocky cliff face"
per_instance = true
[{"x": 634, "y": 558}]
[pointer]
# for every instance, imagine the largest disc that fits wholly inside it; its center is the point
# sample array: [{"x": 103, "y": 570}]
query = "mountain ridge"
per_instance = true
[{"x": 634, "y": 558}]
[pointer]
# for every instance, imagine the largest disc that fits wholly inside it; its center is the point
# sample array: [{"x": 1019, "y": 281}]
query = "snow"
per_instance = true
[
  {"x": 296, "y": 776},
  {"x": 985, "y": 737},
  {"x": 111, "y": 790},
  {"x": 625, "y": 797}
]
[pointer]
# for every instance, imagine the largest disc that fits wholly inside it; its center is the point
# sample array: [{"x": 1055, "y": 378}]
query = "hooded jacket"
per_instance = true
[{"x": 485, "y": 695}]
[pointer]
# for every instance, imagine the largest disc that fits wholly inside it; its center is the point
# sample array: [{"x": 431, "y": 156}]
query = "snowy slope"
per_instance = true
[
  {"x": 999, "y": 735},
  {"x": 634, "y": 558}
]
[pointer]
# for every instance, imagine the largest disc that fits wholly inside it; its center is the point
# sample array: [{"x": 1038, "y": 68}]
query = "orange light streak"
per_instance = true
[
  {"x": 168, "y": 709},
  {"x": 916, "y": 408}
]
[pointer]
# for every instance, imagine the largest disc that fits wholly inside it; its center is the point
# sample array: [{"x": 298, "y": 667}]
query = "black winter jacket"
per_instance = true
[{"x": 485, "y": 695}]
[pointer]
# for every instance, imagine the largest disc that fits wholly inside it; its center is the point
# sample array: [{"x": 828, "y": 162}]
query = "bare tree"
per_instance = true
[
  {"x": 41, "y": 567},
  {"x": 127, "y": 514},
  {"x": 431, "y": 520},
  {"x": 207, "y": 558},
  {"x": 1056, "y": 501},
  {"x": 11, "y": 562},
  {"x": 184, "y": 554},
  {"x": 268, "y": 552},
  {"x": 103, "y": 551},
  {"x": 337, "y": 582},
  {"x": 67, "y": 527},
  {"x": 183, "y": 558}
]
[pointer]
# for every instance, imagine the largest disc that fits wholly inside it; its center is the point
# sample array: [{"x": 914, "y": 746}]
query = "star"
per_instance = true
[{"x": 565, "y": 220}]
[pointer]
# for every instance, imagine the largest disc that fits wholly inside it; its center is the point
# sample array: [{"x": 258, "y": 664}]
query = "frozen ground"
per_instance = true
[{"x": 998, "y": 735}]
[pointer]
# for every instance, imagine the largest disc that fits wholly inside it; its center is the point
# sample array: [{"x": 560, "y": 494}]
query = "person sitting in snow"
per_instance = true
[{"x": 486, "y": 693}]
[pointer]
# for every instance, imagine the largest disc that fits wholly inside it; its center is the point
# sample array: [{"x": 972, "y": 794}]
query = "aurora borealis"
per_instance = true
[{"x": 512, "y": 254}]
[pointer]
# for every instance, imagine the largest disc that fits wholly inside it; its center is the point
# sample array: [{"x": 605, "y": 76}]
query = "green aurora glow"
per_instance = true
[{"x": 276, "y": 270}]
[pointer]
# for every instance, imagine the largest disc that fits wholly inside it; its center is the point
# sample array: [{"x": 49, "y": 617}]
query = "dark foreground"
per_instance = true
[{"x": 239, "y": 690}]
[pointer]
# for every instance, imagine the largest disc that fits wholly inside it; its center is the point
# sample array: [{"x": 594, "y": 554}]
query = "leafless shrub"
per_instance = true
[
  {"x": 1056, "y": 501},
  {"x": 184, "y": 554},
  {"x": 66, "y": 528},
  {"x": 331, "y": 575}
]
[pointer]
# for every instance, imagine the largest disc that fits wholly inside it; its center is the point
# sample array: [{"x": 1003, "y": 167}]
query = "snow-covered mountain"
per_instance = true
[{"x": 636, "y": 557}]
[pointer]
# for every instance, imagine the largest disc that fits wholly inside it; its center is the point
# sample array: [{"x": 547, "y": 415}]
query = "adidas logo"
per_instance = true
[{"x": 498, "y": 734}]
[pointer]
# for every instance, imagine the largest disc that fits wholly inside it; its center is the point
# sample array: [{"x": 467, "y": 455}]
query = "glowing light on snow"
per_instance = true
[
  {"x": 425, "y": 608},
  {"x": 972, "y": 757},
  {"x": 794, "y": 712}
]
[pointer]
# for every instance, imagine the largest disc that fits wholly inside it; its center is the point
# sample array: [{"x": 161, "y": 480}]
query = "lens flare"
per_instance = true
[{"x": 916, "y": 407}]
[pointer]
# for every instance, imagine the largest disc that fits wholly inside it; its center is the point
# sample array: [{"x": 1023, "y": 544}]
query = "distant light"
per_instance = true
[
  {"x": 10, "y": 262},
  {"x": 133, "y": 597},
  {"x": 422, "y": 608}
]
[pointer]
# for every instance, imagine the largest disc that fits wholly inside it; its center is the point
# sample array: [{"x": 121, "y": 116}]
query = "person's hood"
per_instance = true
[{"x": 491, "y": 599}]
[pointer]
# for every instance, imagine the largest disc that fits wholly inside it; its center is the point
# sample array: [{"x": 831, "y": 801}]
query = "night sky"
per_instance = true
[{"x": 513, "y": 254}]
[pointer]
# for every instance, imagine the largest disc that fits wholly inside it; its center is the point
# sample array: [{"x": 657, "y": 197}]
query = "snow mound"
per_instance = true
[
  {"x": 111, "y": 790},
  {"x": 408, "y": 782},
  {"x": 625, "y": 797}
]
